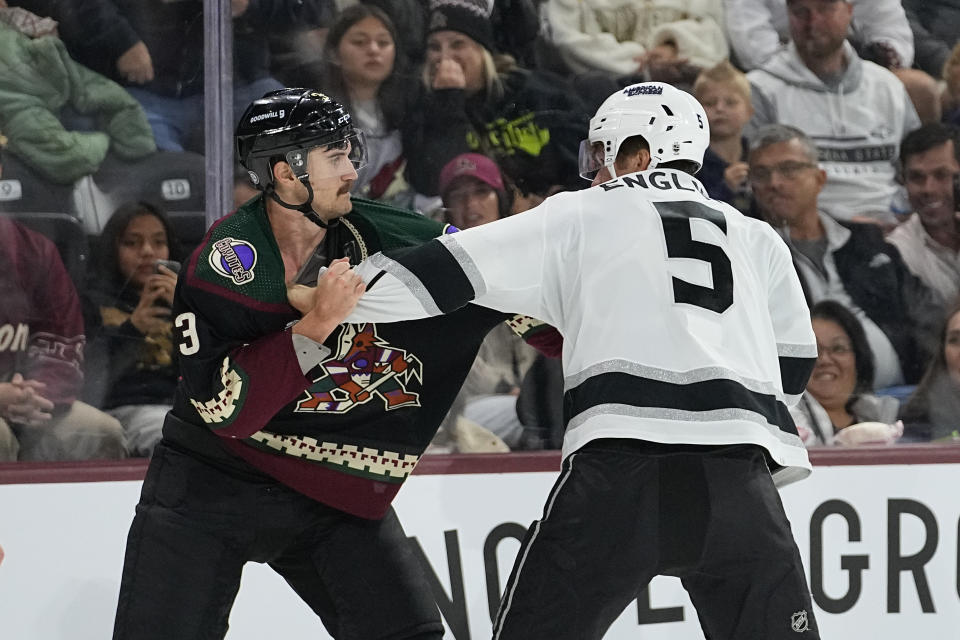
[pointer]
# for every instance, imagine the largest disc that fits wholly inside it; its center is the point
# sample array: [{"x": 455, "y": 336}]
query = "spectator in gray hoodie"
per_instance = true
[
  {"x": 879, "y": 31},
  {"x": 855, "y": 110}
]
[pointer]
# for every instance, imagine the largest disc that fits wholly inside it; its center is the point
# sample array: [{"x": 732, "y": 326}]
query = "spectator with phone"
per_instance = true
[{"x": 131, "y": 373}]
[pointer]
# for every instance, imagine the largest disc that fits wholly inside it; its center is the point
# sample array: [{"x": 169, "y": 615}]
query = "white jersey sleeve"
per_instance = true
[{"x": 498, "y": 265}]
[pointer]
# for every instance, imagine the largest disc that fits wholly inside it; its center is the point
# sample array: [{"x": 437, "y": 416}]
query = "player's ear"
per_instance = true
[
  {"x": 643, "y": 160},
  {"x": 632, "y": 161},
  {"x": 283, "y": 172}
]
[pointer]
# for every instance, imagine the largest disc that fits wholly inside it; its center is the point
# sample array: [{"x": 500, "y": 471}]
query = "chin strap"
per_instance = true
[{"x": 306, "y": 208}]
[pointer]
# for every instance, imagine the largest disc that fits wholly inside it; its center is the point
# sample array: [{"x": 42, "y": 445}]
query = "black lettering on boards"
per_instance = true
[
  {"x": 648, "y": 615},
  {"x": 853, "y": 565},
  {"x": 453, "y": 608},
  {"x": 897, "y": 564},
  {"x": 499, "y": 534}
]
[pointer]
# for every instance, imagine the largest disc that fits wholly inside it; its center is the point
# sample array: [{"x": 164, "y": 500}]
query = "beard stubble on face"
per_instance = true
[
  {"x": 330, "y": 203},
  {"x": 343, "y": 203},
  {"x": 818, "y": 44}
]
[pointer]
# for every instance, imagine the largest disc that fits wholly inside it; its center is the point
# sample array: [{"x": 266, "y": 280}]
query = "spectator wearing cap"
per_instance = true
[
  {"x": 496, "y": 189},
  {"x": 855, "y": 111},
  {"x": 474, "y": 101},
  {"x": 879, "y": 31},
  {"x": 758, "y": 29},
  {"x": 473, "y": 191}
]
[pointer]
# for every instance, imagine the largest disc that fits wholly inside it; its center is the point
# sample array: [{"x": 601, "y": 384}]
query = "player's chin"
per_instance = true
[{"x": 344, "y": 203}]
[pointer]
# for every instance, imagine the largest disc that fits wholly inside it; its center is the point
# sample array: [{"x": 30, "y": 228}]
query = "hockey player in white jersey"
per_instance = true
[{"x": 686, "y": 336}]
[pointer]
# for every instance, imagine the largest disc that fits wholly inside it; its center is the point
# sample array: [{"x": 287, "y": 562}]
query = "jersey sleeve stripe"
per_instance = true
[
  {"x": 806, "y": 350},
  {"x": 465, "y": 262},
  {"x": 794, "y": 373},
  {"x": 432, "y": 274},
  {"x": 404, "y": 276}
]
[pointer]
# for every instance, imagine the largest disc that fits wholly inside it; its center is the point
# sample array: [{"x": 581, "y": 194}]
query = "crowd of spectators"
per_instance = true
[{"x": 834, "y": 120}]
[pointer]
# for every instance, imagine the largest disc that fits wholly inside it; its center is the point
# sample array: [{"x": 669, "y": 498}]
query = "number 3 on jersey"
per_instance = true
[
  {"x": 676, "y": 217},
  {"x": 189, "y": 341}
]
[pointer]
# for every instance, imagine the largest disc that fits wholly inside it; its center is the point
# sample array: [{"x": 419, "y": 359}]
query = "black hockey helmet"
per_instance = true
[{"x": 285, "y": 124}]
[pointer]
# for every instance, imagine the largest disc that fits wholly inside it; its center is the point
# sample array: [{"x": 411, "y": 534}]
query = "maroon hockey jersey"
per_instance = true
[{"x": 41, "y": 324}]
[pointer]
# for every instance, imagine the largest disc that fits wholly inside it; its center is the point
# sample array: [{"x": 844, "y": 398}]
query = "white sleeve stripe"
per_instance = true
[
  {"x": 410, "y": 281},
  {"x": 469, "y": 267},
  {"x": 796, "y": 350}
]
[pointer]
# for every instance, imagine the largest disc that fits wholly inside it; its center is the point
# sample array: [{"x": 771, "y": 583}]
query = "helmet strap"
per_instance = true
[{"x": 305, "y": 208}]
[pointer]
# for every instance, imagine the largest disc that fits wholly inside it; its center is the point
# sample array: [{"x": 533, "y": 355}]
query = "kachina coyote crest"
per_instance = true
[{"x": 364, "y": 367}]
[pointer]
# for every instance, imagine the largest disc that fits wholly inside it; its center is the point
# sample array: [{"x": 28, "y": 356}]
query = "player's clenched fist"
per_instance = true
[{"x": 326, "y": 305}]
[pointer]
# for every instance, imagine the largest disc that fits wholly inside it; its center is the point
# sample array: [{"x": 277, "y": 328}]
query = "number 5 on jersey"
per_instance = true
[{"x": 676, "y": 217}]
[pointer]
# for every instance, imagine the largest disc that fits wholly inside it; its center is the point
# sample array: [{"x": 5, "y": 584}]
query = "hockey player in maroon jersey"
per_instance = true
[{"x": 291, "y": 433}]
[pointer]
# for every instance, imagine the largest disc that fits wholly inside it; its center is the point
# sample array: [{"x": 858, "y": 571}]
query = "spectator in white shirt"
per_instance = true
[{"x": 929, "y": 240}]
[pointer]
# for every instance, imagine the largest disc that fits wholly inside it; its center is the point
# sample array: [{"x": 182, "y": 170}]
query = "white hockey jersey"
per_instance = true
[{"x": 683, "y": 321}]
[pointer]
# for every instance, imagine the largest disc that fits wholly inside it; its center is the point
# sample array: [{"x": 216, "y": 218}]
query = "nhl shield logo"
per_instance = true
[
  {"x": 799, "y": 621},
  {"x": 365, "y": 367}
]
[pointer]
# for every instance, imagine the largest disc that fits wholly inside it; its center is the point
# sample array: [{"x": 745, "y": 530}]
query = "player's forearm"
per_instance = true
[
  {"x": 249, "y": 385},
  {"x": 317, "y": 329},
  {"x": 390, "y": 299}
]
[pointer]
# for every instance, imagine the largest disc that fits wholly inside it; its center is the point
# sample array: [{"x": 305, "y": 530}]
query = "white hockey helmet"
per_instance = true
[{"x": 672, "y": 122}]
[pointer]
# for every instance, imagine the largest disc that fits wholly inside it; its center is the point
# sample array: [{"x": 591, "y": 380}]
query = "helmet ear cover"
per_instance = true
[{"x": 671, "y": 121}]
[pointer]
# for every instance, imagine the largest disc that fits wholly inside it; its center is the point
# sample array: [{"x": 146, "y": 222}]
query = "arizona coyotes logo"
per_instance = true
[{"x": 363, "y": 368}]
